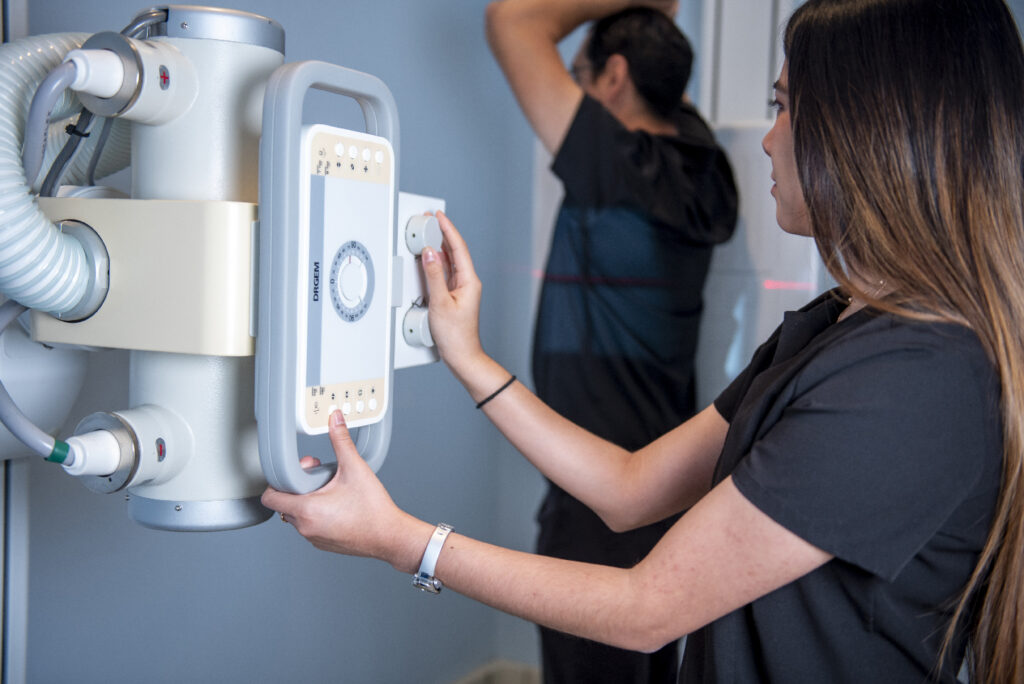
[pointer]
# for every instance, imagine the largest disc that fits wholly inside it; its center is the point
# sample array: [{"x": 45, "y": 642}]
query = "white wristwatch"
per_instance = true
[{"x": 424, "y": 578}]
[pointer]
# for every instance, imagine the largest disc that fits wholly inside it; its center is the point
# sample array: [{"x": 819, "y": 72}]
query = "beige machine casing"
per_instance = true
[{"x": 181, "y": 276}]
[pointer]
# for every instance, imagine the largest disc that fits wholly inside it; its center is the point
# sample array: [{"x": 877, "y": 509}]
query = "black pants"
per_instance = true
[{"x": 570, "y": 530}]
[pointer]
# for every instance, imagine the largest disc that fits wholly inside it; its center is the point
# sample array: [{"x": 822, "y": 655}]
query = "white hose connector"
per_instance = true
[
  {"x": 97, "y": 72},
  {"x": 39, "y": 267},
  {"x": 93, "y": 453}
]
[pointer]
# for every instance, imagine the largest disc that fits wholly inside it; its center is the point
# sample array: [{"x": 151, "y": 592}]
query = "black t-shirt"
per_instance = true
[
  {"x": 617, "y": 325},
  {"x": 878, "y": 440}
]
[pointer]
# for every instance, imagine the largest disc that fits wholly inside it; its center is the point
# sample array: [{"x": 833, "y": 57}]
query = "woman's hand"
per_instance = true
[
  {"x": 353, "y": 513},
  {"x": 454, "y": 300}
]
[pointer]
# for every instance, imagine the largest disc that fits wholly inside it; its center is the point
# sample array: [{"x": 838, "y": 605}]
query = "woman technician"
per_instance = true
[{"x": 856, "y": 505}]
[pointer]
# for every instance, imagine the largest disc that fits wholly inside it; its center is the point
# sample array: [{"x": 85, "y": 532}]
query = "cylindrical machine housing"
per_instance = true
[
  {"x": 219, "y": 484},
  {"x": 210, "y": 152}
]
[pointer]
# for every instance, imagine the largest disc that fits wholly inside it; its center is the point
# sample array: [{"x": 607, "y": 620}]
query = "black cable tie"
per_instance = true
[{"x": 71, "y": 129}]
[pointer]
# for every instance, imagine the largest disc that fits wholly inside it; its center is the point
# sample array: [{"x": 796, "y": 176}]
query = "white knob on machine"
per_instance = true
[
  {"x": 422, "y": 230},
  {"x": 352, "y": 281},
  {"x": 416, "y": 328}
]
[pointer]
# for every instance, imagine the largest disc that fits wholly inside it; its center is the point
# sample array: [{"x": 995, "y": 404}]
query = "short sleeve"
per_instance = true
[
  {"x": 586, "y": 161},
  {"x": 687, "y": 186},
  {"x": 810, "y": 319},
  {"x": 882, "y": 438},
  {"x": 728, "y": 401}
]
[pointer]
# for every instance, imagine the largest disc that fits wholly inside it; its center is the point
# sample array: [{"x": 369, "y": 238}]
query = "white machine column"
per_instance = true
[{"x": 209, "y": 153}]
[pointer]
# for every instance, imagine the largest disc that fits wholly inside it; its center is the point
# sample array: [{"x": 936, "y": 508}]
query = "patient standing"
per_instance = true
[{"x": 648, "y": 193}]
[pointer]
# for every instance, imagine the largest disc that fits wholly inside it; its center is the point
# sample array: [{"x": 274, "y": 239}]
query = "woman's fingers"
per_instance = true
[
  {"x": 341, "y": 440},
  {"x": 454, "y": 300},
  {"x": 433, "y": 269},
  {"x": 452, "y": 270},
  {"x": 344, "y": 449},
  {"x": 461, "y": 262},
  {"x": 277, "y": 501}
]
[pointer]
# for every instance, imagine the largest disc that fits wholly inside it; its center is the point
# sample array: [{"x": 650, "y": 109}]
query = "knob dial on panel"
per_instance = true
[
  {"x": 416, "y": 328},
  {"x": 352, "y": 281},
  {"x": 422, "y": 230}
]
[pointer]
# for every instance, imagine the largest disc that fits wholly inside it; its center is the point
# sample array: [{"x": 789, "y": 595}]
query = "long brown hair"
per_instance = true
[{"x": 908, "y": 126}]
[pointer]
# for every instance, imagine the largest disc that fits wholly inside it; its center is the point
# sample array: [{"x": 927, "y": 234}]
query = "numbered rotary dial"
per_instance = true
[{"x": 352, "y": 281}]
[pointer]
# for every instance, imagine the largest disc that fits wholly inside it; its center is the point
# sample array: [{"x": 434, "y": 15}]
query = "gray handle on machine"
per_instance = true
[{"x": 278, "y": 258}]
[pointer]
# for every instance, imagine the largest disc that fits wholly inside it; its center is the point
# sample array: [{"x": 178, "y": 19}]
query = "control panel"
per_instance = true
[
  {"x": 344, "y": 325},
  {"x": 328, "y": 284}
]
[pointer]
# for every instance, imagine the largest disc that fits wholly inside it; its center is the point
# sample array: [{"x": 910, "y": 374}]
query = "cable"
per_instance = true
[
  {"x": 43, "y": 102},
  {"x": 143, "y": 22},
  {"x": 11, "y": 416},
  {"x": 77, "y": 131},
  {"x": 46, "y": 97},
  {"x": 97, "y": 151},
  {"x": 138, "y": 26}
]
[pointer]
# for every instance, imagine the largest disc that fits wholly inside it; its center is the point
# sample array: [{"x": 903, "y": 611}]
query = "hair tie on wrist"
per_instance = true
[{"x": 497, "y": 392}]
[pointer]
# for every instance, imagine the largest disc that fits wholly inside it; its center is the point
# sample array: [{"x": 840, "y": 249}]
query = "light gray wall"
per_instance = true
[
  {"x": 1017, "y": 7},
  {"x": 110, "y": 601}
]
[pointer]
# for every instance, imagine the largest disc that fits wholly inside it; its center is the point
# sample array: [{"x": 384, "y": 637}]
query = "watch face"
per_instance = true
[{"x": 428, "y": 584}]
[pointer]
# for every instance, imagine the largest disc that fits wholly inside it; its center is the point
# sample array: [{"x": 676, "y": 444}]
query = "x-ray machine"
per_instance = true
[{"x": 261, "y": 268}]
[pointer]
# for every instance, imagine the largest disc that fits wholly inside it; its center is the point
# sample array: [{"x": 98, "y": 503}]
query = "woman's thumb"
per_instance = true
[{"x": 341, "y": 440}]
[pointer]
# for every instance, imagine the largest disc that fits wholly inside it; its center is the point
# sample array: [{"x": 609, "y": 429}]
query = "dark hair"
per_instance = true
[
  {"x": 659, "y": 55},
  {"x": 908, "y": 130}
]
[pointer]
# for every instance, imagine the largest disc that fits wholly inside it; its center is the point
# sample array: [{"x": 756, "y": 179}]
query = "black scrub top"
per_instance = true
[{"x": 878, "y": 440}]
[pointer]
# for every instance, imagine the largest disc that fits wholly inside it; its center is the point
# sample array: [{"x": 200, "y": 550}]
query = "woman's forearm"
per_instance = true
[
  {"x": 624, "y": 488},
  {"x": 592, "y": 601},
  {"x": 721, "y": 555},
  {"x": 592, "y": 469}
]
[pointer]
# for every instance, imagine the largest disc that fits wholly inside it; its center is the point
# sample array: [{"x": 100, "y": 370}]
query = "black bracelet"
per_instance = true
[{"x": 497, "y": 392}]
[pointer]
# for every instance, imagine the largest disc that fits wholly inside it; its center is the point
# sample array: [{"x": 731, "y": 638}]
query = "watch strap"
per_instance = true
[{"x": 424, "y": 578}]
